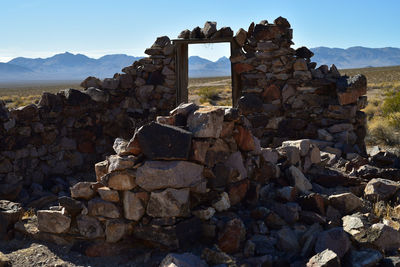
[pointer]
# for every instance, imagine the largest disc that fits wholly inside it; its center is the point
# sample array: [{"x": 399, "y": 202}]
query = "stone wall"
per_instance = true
[
  {"x": 284, "y": 97},
  {"x": 66, "y": 133},
  {"x": 165, "y": 184}
]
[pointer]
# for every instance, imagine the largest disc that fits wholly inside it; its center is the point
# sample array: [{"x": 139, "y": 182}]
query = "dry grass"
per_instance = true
[
  {"x": 215, "y": 91},
  {"x": 21, "y": 94},
  {"x": 383, "y": 109}
]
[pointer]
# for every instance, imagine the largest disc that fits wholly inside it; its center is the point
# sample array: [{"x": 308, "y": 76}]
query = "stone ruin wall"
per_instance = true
[{"x": 284, "y": 97}]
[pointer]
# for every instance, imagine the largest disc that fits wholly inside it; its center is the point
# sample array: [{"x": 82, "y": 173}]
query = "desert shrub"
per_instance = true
[
  {"x": 373, "y": 108},
  {"x": 381, "y": 131},
  {"x": 391, "y": 103},
  {"x": 208, "y": 94}
]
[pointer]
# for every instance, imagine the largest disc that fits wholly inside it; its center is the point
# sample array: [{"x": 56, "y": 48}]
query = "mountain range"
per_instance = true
[{"x": 69, "y": 66}]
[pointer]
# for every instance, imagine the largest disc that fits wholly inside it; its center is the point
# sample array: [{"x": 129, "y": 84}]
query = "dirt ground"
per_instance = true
[{"x": 26, "y": 252}]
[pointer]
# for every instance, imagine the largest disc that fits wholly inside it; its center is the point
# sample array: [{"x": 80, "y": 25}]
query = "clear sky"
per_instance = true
[{"x": 42, "y": 28}]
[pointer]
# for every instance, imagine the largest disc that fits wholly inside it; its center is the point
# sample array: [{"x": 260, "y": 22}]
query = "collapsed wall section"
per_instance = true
[{"x": 66, "y": 133}]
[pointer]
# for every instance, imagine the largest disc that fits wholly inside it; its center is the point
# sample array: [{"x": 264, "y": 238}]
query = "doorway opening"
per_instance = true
[
  {"x": 207, "y": 77},
  {"x": 209, "y": 70}
]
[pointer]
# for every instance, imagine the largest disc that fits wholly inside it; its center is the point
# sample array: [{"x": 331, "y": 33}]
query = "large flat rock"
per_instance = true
[
  {"x": 160, "y": 141},
  {"x": 153, "y": 175}
]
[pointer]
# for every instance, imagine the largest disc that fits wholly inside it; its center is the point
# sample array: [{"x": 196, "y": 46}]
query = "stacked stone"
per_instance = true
[
  {"x": 166, "y": 184},
  {"x": 199, "y": 176},
  {"x": 66, "y": 133},
  {"x": 209, "y": 31},
  {"x": 286, "y": 97}
]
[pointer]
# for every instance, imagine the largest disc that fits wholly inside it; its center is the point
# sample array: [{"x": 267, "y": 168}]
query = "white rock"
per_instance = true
[
  {"x": 223, "y": 203},
  {"x": 298, "y": 179}
]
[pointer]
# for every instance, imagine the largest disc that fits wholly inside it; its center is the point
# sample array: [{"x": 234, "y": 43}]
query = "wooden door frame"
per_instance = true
[{"x": 181, "y": 67}]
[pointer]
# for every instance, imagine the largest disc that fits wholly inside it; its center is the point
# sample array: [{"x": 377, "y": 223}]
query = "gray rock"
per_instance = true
[
  {"x": 120, "y": 145},
  {"x": 324, "y": 135},
  {"x": 184, "y": 109},
  {"x": 287, "y": 240},
  {"x": 206, "y": 122},
  {"x": 383, "y": 236},
  {"x": 82, "y": 190},
  {"x": 53, "y": 221},
  {"x": 74, "y": 207},
  {"x": 115, "y": 230},
  {"x": 89, "y": 226},
  {"x": 326, "y": 258},
  {"x": 97, "y": 95},
  {"x": 154, "y": 175},
  {"x": 334, "y": 239},
  {"x": 346, "y": 202},
  {"x": 119, "y": 163},
  {"x": 270, "y": 155},
  {"x": 165, "y": 142},
  {"x": 169, "y": 203},
  {"x": 380, "y": 189},
  {"x": 99, "y": 207},
  {"x": 184, "y": 34},
  {"x": 364, "y": 258},
  {"x": 120, "y": 180},
  {"x": 134, "y": 205},
  {"x": 298, "y": 180},
  {"x": 210, "y": 27},
  {"x": 291, "y": 153},
  {"x": 108, "y": 194},
  {"x": 303, "y": 145}
]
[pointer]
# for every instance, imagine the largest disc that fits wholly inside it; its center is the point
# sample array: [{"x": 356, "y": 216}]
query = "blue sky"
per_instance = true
[{"x": 41, "y": 28}]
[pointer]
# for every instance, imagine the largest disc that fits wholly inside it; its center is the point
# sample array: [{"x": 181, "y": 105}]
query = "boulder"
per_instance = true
[
  {"x": 97, "y": 95},
  {"x": 53, "y": 221},
  {"x": 164, "y": 142},
  {"x": 349, "y": 89},
  {"x": 169, "y": 203},
  {"x": 82, "y": 190},
  {"x": 101, "y": 169},
  {"x": 120, "y": 180},
  {"x": 380, "y": 189},
  {"x": 206, "y": 122},
  {"x": 210, "y": 27},
  {"x": 99, "y": 207},
  {"x": 231, "y": 236},
  {"x": 153, "y": 175},
  {"x": 326, "y": 258},
  {"x": 383, "y": 237},
  {"x": 240, "y": 37},
  {"x": 134, "y": 204},
  {"x": 115, "y": 230},
  {"x": 120, "y": 163},
  {"x": 364, "y": 258},
  {"x": 89, "y": 227},
  {"x": 334, "y": 239},
  {"x": 298, "y": 180},
  {"x": 346, "y": 203},
  {"x": 72, "y": 206},
  {"x": 303, "y": 145},
  {"x": 108, "y": 194}
]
